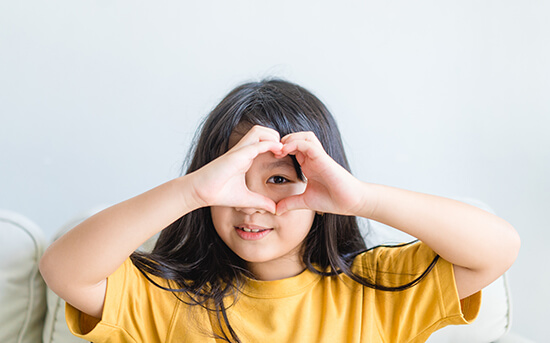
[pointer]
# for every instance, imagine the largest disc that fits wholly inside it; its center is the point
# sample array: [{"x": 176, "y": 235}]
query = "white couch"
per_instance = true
[{"x": 30, "y": 313}]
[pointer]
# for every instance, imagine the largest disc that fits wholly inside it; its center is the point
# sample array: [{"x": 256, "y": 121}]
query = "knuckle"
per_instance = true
[{"x": 259, "y": 129}]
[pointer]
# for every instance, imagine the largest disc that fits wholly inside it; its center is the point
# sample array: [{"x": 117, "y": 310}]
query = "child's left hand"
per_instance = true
[{"x": 330, "y": 187}]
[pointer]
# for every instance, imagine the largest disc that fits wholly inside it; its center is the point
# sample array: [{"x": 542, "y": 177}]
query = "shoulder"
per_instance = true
[
  {"x": 415, "y": 249},
  {"x": 396, "y": 263}
]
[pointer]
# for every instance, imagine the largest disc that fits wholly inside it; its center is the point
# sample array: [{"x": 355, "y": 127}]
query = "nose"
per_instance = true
[{"x": 250, "y": 210}]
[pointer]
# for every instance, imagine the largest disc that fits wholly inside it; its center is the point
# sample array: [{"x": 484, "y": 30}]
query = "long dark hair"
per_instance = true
[{"x": 190, "y": 254}]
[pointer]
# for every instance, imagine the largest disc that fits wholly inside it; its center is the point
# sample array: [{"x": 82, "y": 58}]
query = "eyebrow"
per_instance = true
[{"x": 279, "y": 163}]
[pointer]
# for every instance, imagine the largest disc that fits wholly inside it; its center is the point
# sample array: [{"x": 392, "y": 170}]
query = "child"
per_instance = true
[{"x": 262, "y": 245}]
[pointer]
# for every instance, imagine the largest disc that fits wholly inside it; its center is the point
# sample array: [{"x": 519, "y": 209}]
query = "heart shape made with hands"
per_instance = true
[
  {"x": 303, "y": 155},
  {"x": 328, "y": 184},
  {"x": 272, "y": 158}
]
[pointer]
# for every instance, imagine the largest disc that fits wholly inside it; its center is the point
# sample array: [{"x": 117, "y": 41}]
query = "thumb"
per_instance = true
[{"x": 294, "y": 202}]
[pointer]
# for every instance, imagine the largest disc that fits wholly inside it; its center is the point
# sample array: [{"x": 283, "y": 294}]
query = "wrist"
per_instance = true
[
  {"x": 190, "y": 199},
  {"x": 370, "y": 198}
]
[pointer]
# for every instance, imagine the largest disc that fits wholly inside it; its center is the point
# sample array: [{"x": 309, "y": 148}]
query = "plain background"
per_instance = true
[{"x": 99, "y": 101}]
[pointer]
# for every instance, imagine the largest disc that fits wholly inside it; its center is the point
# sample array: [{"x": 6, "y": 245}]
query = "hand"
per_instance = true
[
  {"x": 222, "y": 181},
  {"x": 330, "y": 187}
]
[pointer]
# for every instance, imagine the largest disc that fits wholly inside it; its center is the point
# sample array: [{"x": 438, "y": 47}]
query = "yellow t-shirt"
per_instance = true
[{"x": 304, "y": 308}]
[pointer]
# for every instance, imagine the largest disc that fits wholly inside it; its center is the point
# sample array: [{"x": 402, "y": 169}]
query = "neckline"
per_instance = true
[{"x": 280, "y": 288}]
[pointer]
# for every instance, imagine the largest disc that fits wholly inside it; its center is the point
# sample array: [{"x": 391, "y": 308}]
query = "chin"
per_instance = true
[{"x": 254, "y": 258}]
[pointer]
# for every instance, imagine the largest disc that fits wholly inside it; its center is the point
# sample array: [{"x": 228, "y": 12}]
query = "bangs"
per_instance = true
[{"x": 279, "y": 115}]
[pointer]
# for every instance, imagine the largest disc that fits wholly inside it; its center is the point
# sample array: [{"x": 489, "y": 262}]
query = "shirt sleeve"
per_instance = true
[
  {"x": 413, "y": 313},
  {"x": 134, "y": 310},
  {"x": 89, "y": 328}
]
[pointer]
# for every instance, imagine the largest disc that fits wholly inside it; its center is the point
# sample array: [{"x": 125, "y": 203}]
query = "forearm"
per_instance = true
[
  {"x": 462, "y": 234},
  {"x": 94, "y": 249}
]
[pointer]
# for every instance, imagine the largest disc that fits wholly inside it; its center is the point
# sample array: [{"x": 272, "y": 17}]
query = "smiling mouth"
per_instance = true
[
  {"x": 250, "y": 232},
  {"x": 245, "y": 229}
]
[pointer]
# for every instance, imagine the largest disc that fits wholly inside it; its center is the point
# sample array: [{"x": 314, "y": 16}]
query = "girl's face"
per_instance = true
[{"x": 273, "y": 252}]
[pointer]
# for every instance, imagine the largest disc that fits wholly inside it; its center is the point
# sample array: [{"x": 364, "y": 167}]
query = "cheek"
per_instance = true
[
  {"x": 287, "y": 191},
  {"x": 299, "y": 188},
  {"x": 220, "y": 216},
  {"x": 298, "y": 222}
]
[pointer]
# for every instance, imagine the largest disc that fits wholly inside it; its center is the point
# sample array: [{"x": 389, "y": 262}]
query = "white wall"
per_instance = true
[{"x": 99, "y": 100}]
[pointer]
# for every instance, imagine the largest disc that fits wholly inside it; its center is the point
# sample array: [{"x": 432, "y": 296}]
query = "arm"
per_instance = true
[
  {"x": 77, "y": 265},
  {"x": 481, "y": 246}
]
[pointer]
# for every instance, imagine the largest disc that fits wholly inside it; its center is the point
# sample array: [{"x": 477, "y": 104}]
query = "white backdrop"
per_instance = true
[{"x": 99, "y": 100}]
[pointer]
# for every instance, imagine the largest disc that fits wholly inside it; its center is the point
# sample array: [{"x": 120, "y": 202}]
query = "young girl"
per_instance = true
[{"x": 261, "y": 243}]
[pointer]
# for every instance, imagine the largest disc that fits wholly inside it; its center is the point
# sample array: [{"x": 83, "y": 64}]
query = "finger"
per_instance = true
[
  {"x": 253, "y": 150},
  {"x": 258, "y": 134},
  {"x": 294, "y": 202},
  {"x": 309, "y": 149},
  {"x": 258, "y": 201},
  {"x": 304, "y": 135}
]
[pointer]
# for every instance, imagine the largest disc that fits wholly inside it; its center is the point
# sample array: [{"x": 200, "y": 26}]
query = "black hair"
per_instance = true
[{"x": 190, "y": 254}]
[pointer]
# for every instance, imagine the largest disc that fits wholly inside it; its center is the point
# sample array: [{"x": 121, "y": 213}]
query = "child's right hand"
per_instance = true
[{"x": 222, "y": 182}]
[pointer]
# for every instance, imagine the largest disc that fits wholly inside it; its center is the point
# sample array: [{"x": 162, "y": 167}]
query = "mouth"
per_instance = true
[{"x": 251, "y": 232}]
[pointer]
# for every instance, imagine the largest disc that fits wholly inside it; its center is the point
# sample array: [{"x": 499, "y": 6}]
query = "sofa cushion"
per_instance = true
[{"x": 22, "y": 289}]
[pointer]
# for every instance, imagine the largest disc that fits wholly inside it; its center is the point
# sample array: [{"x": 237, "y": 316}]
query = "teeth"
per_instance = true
[{"x": 249, "y": 230}]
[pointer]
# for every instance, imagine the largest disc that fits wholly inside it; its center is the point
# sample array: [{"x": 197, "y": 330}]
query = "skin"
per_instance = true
[
  {"x": 481, "y": 246},
  {"x": 277, "y": 255}
]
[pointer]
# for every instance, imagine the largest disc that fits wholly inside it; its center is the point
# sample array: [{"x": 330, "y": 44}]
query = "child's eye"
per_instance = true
[{"x": 277, "y": 179}]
